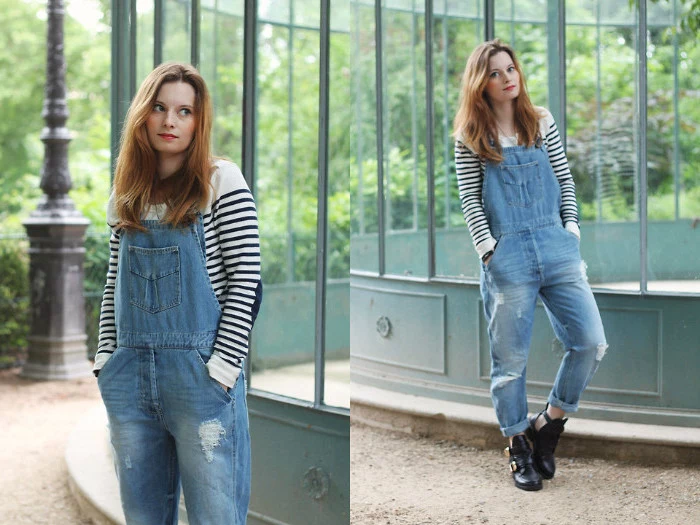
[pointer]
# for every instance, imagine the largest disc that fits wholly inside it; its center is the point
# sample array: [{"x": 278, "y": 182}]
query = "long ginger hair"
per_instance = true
[
  {"x": 135, "y": 177},
  {"x": 475, "y": 122}
]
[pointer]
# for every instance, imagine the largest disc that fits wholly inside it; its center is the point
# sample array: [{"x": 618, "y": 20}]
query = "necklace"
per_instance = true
[{"x": 504, "y": 133}]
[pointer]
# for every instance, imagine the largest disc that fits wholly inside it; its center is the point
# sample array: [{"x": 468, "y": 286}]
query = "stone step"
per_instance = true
[{"x": 476, "y": 426}]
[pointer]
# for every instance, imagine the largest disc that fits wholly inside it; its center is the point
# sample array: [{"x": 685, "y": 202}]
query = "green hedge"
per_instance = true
[{"x": 14, "y": 299}]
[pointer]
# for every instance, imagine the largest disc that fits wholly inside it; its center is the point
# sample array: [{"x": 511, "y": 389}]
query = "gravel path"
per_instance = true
[
  {"x": 395, "y": 479},
  {"x": 399, "y": 479},
  {"x": 36, "y": 419}
]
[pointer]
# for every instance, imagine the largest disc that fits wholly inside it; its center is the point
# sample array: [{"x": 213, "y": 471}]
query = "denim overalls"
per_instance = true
[
  {"x": 535, "y": 257},
  {"x": 169, "y": 420}
]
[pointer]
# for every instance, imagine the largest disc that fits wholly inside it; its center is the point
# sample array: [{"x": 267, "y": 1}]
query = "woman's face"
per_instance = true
[
  {"x": 504, "y": 81},
  {"x": 171, "y": 123}
]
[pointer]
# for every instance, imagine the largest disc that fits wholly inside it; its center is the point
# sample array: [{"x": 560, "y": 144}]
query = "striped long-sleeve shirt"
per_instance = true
[
  {"x": 233, "y": 264},
  {"x": 470, "y": 179}
]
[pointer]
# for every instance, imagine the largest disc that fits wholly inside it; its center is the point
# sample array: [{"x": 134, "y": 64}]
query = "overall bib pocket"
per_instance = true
[
  {"x": 154, "y": 283},
  {"x": 522, "y": 183}
]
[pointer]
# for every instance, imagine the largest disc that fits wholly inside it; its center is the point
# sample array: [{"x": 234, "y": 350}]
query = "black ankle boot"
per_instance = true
[
  {"x": 544, "y": 442},
  {"x": 524, "y": 474}
]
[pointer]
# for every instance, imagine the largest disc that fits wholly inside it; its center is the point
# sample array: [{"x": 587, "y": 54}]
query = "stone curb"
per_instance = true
[{"x": 476, "y": 426}]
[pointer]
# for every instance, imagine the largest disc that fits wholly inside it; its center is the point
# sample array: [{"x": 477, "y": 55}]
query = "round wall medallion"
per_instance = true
[
  {"x": 316, "y": 482},
  {"x": 384, "y": 326}
]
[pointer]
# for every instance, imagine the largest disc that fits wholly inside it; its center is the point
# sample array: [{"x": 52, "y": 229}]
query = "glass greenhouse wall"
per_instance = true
[
  {"x": 619, "y": 80},
  {"x": 594, "y": 97}
]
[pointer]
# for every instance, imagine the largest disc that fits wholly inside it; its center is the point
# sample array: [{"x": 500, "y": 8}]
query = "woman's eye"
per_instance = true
[
  {"x": 158, "y": 107},
  {"x": 511, "y": 69},
  {"x": 184, "y": 112},
  {"x": 494, "y": 74}
]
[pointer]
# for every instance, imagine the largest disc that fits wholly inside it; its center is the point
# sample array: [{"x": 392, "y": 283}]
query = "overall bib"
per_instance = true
[
  {"x": 170, "y": 422},
  {"x": 535, "y": 257}
]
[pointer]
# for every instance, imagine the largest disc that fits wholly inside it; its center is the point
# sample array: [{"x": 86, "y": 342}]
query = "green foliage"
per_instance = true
[
  {"x": 14, "y": 297},
  {"x": 689, "y": 20},
  {"x": 661, "y": 206},
  {"x": 22, "y": 43}
]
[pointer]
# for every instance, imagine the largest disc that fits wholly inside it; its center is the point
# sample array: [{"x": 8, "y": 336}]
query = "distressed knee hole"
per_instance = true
[
  {"x": 500, "y": 298},
  {"x": 502, "y": 381},
  {"x": 584, "y": 271},
  {"x": 602, "y": 348},
  {"x": 210, "y": 433}
]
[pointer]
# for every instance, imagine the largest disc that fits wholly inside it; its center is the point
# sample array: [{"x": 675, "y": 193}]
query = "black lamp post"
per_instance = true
[{"x": 56, "y": 231}]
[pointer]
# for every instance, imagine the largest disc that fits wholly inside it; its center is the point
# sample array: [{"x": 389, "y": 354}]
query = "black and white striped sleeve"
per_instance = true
[
  {"x": 560, "y": 165},
  {"x": 234, "y": 224},
  {"x": 470, "y": 180},
  {"x": 107, "y": 341}
]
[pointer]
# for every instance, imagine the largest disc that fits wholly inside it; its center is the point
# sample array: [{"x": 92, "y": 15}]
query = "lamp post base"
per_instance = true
[{"x": 57, "y": 358}]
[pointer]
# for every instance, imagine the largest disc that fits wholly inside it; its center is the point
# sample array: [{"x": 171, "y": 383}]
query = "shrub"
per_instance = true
[{"x": 14, "y": 300}]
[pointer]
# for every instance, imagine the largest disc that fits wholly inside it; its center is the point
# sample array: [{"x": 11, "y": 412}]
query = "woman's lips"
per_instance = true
[
  {"x": 510, "y": 88},
  {"x": 167, "y": 136}
]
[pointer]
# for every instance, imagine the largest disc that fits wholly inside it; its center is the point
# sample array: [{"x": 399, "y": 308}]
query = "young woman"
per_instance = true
[
  {"x": 183, "y": 290},
  {"x": 519, "y": 203}
]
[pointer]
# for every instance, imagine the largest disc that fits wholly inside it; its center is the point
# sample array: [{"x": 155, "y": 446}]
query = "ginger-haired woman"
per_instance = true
[
  {"x": 183, "y": 290},
  {"x": 519, "y": 202}
]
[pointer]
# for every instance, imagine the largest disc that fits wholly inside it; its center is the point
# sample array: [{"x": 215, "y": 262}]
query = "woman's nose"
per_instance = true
[{"x": 169, "y": 118}]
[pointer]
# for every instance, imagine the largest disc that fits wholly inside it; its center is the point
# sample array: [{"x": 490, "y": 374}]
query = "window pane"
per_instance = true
[
  {"x": 404, "y": 142},
  {"x": 272, "y": 169},
  {"x": 459, "y": 8},
  {"x": 673, "y": 121},
  {"x": 340, "y": 18},
  {"x": 601, "y": 82},
  {"x": 144, "y": 39},
  {"x": 231, "y": 7},
  {"x": 523, "y": 10},
  {"x": 221, "y": 64},
  {"x": 305, "y": 152},
  {"x": 363, "y": 141},
  {"x": 287, "y": 171},
  {"x": 274, "y": 11},
  {"x": 308, "y": 13},
  {"x": 177, "y": 30},
  {"x": 404, "y": 5}
]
